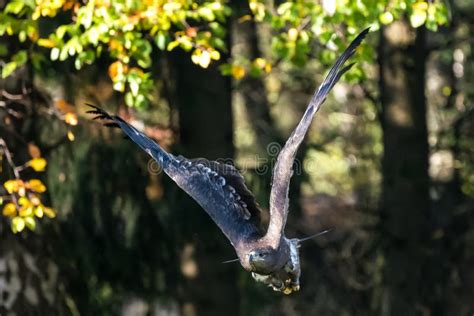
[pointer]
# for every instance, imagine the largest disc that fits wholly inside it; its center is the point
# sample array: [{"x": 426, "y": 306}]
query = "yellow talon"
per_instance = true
[
  {"x": 287, "y": 290},
  {"x": 296, "y": 287}
]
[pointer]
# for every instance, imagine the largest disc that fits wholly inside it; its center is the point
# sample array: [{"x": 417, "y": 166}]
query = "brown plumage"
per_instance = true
[{"x": 221, "y": 191}]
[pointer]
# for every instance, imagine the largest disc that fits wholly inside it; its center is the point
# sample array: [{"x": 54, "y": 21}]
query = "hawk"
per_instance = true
[{"x": 220, "y": 190}]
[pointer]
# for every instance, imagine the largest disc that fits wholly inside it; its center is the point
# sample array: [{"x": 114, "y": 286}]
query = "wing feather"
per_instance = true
[
  {"x": 216, "y": 187},
  {"x": 283, "y": 169}
]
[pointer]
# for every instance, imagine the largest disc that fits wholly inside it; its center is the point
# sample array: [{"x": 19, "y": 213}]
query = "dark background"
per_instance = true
[{"x": 388, "y": 164}]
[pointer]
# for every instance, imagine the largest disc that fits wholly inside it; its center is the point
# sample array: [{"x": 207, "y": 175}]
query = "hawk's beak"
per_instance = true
[{"x": 255, "y": 257}]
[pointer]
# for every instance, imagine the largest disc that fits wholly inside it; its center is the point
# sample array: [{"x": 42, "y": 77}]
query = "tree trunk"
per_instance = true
[
  {"x": 203, "y": 99},
  {"x": 405, "y": 219}
]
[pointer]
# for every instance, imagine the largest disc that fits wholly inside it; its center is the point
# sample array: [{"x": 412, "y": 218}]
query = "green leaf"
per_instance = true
[
  {"x": 18, "y": 224},
  {"x": 129, "y": 99},
  {"x": 417, "y": 18},
  {"x": 54, "y": 53},
  {"x": 64, "y": 53},
  {"x": 20, "y": 58},
  {"x": 3, "y": 50},
  {"x": 30, "y": 223},
  {"x": 8, "y": 68},
  {"x": 160, "y": 40},
  {"x": 134, "y": 87},
  {"x": 14, "y": 7},
  {"x": 386, "y": 18},
  {"x": 172, "y": 45}
]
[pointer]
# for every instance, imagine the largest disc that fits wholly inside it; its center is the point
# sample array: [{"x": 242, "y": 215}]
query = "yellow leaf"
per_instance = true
[
  {"x": 38, "y": 164},
  {"x": 268, "y": 67},
  {"x": 386, "y": 18},
  {"x": 49, "y": 212},
  {"x": 9, "y": 209},
  {"x": 201, "y": 57},
  {"x": 136, "y": 71},
  {"x": 260, "y": 62},
  {"x": 238, "y": 72},
  {"x": 39, "y": 211},
  {"x": 245, "y": 18},
  {"x": 30, "y": 223},
  {"x": 46, "y": 42},
  {"x": 117, "y": 69},
  {"x": 292, "y": 34},
  {"x": 70, "y": 136},
  {"x": 24, "y": 201},
  {"x": 34, "y": 151},
  {"x": 64, "y": 106},
  {"x": 35, "y": 200},
  {"x": 36, "y": 185},
  {"x": 70, "y": 118},
  {"x": 18, "y": 224},
  {"x": 418, "y": 18},
  {"x": 13, "y": 185},
  {"x": 205, "y": 59},
  {"x": 420, "y": 6},
  {"x": 26, "y": 211},
  {"x": 215, "y": 55}
]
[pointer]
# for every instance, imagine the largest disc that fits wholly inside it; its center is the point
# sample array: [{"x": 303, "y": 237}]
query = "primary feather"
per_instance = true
[
  {"x": 284, "y": 166},
  {"x": 217, "y": 187}
]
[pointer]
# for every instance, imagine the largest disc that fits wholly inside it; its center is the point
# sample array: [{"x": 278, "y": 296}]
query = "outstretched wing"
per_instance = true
[
  {"x": 284, "y": 166},
  {"x": 218, "y": 188}
]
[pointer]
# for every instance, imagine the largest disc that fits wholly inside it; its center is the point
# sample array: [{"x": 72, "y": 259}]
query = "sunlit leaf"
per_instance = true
[
  {"x": 46, "y": 42},
  {"x": 386, "y": 18},
  {"x": 417, "y": 18},
  {"x": 38, "y": 164},
  {"x": 39, "y": 211},
  {"x": 8, "y": 68},
  {"x": 54, "y": 55},
  {"x": 172, "y": 45},
  {"x": 13, "y": 185},
  {"x": 36, "y": 185},
  {"x": 14, "y": 7},
  {"x": 116, "y": 69},
  {"x": 30, "y": 222},
  {"x": 49, "y": 212},
  {"x": 70, "y": 118},
  {"x": 9, "y": 209},
  {"x": 34, "y": 150},
  {"x": 215, "y": 55},
  {"x": 26, "y": 211},
  {"x": 70, "y": 136},
  {"x": 18, "y": 224},
  {"x": 238, "y": 72},
  {"x": 420, "y": 6}
]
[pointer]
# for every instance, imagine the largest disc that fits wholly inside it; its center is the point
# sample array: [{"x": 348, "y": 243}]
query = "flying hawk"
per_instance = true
[{"x": 220, "y": 190}]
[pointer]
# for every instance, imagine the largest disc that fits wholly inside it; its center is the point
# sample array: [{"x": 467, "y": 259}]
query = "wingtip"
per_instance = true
[
  {"x": 359, "y": 38},
  {"x": 100, "y": 114}
]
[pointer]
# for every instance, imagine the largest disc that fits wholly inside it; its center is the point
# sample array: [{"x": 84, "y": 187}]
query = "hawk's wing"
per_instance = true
[
  {"x": 284, "y": 166},
  {"x": 219, "y": 188}
]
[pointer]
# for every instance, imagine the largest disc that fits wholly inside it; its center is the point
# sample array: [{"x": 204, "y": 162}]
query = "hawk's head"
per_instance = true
[{"x": 265, "y": 260}]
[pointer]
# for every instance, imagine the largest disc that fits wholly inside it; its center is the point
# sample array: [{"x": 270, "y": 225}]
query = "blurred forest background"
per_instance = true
[{"x": 90, "y": 227}]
